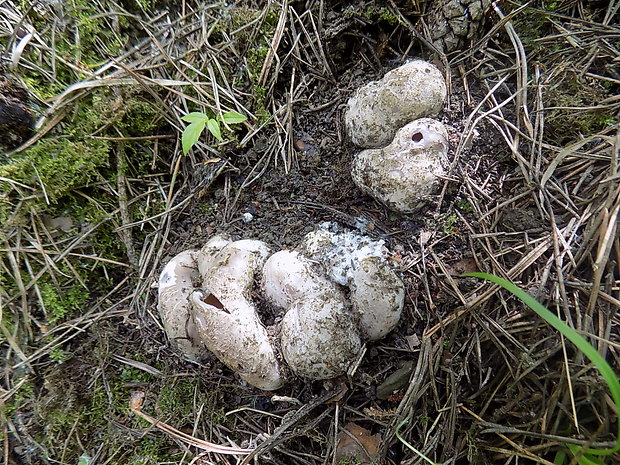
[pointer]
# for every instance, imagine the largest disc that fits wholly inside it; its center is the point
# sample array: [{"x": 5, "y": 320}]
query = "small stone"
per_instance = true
[
  {"x": 453, "y": 9},
  {"x": 459, "y": 26},
  {"x": 475, "y": 11},
  {"x": 396, "y": 381}
]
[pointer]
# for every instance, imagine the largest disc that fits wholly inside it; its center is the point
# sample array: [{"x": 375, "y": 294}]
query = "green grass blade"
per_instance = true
[
  {"x": 409, "y": 446},
  {"x": 601, "y": 364}
]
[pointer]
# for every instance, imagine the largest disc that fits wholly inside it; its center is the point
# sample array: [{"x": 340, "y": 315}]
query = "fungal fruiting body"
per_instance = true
[
  {"x": 226, "y": 318},
  {"x": 404, "y": 174},
  {"x": 318, "y": 335},
  {"x": 378, "y": 297},
  {"x": 176, "y": 283},
  {"x": 405, "y": 149},
  {"x": 288, "y": 276},
  {"x": 358, "y": 262},
  {"x": 376, "y": 111},
  {"x": 335, "y": 292}
]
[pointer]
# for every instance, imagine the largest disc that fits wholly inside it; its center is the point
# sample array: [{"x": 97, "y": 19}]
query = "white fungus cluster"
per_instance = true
[
  {"x": 405, "y": 149},
  {"x": 336, "y": 291}
]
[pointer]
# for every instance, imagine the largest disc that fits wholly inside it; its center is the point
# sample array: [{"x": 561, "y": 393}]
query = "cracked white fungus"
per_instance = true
[
  {"x": 404, "y": 174},
  {"x": 377, "y": 294},
  {"x": 376, "y": 111},
  {"x": 225, "y": 316},
  {"x": 336, "y": 291}
]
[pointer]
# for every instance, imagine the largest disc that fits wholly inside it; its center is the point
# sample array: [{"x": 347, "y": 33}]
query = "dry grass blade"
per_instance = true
[{"x": 135, "y": 404}]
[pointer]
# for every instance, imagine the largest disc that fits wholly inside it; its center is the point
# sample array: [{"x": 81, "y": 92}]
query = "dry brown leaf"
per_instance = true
[
  {"x": 465, "y": 265},
  {"x": 358, "y": 443}
]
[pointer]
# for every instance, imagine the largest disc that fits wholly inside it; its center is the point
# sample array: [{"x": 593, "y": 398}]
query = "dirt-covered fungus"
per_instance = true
[
  {"x": 318, "y": 334},
  {"x": 226, "y": 318},
  {"x": 176, "y": 283},
  {"x": 376, "y": 111},
  {"x": 358, "y": 262},
  {"x": 335, "y": 292},
  {"x": 404, "y": 174}
]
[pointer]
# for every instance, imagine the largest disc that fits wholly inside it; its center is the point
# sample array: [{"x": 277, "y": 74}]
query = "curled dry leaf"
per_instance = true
[{"x": 357, "y": 442}]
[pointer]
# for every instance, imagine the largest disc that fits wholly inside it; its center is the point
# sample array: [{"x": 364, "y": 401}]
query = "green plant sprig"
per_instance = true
[
  {"x": 584, "y": 455},
  {"x": 198, "y": 121}
]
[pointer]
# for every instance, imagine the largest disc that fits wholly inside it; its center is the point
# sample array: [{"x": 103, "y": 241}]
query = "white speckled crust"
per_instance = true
[
  {"x": 288, "y": 276},
  {"x": 377, "y": 296},
  {"x": 337, "y": 253},
  {"x": 403, "y": 175},
  {"x": 175, "y": 286},
  {"x": 319, "y": 337},
  {"x": 375, "y": 112},
  {"x": 226, "y": 319}
]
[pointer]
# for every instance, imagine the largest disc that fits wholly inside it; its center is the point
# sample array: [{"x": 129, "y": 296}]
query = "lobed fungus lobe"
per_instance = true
[
  {"x": 377, "y": 110},
  {"x": 225, "y": 316},
  {"x": 404, "y": 174},
  {"x": 406, "y": 150}
]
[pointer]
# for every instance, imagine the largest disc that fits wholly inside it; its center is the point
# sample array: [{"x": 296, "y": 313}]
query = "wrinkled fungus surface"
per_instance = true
[
  {"x": 404, "y": 175},
  {"x": 406, "y": 150},
  {"x": 335, "y": 292},
  {"x": 376, "y": 111}
]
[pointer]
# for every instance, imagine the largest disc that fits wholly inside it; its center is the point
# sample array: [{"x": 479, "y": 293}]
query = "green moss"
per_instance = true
[
  {"x": 58, "y": 355},
  {"x": 348, "y": 461},
  {"x": 56, "y": 166},
  {"x": 259, "y": 106},
  {"x": 256, "y": 58},
  {"x": 176, "y": 399},
  {"x": 464, "y": 205},
  {"x": 570, "y": 89},
  {"x": 532, "y": 25},
  {"x": 132, "y": 375},
  {"x": 253, "y": 42},
  {"x": 376, "y": 13},
  {"x": 85, "y": 35},
  {"x": 22, "y": 396},
  {"x": 62, "y": 304},
  {"x": 180, "y": 398}
]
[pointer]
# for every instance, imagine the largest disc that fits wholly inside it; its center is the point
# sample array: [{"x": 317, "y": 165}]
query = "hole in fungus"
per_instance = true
[
  {"x": 214, "y": 302},
  {"x": 417, "y": 137}
]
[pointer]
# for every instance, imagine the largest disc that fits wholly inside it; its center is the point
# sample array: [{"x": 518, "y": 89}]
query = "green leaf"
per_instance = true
[
  {"x": 569, "y": 333},
  {"x": 214, "y": 128},
  {"x": 191, "y": 134},
  {"x": 232, "y": 117},
  {"x": 195, "y": 117}
]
